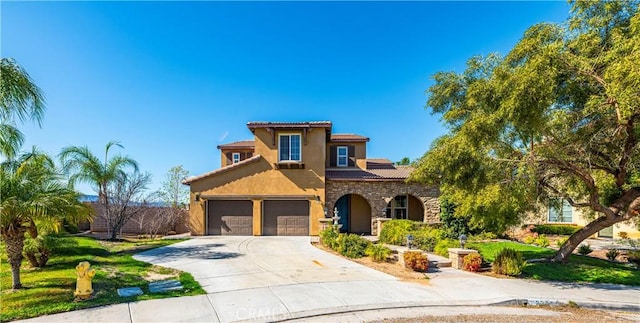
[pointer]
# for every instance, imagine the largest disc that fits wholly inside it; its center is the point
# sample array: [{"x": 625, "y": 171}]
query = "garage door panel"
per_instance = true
[
  {"x": 237, "y": 225},
  {"x": 286, "y": 218},
  {"x": 230, "y": 217}
]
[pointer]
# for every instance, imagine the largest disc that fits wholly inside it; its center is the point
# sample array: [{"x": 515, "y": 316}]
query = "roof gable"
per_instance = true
[
  {"x": 348, "y": 137},
  {"x": 244, "y": 144},
  {"x": 192, "y": 179}
]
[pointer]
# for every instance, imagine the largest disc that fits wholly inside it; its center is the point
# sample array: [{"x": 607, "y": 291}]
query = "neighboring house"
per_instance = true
[
  {"x": 293, "y": 175},
  {"x": 569, "y": 215}
]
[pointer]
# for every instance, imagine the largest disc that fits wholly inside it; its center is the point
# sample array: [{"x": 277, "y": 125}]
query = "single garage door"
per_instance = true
[
  {"x": 286, "y": 218},
  {"x": 230, "y": 218}
]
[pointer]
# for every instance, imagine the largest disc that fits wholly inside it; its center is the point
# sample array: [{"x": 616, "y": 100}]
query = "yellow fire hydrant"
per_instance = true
[{"x": 83, "y": 282}]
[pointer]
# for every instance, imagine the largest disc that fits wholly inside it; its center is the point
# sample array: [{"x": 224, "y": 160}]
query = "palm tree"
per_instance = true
[
  {"x": 85, "y": 167},
  {"x": 20, "y": 98},
  {"x": 32, "y": 191}
]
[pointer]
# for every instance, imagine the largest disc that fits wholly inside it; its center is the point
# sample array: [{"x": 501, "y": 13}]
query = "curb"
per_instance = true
[{"x": 627, "y": 307}]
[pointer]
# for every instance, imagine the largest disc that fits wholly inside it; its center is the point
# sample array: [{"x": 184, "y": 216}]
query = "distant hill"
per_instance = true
[
  {"x": 94, "y": 199},
  {"x": 88, "y": 198}
]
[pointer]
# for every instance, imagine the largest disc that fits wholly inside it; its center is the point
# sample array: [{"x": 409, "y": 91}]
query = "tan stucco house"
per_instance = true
[
  {"x": 567, "y": 214},
  {"x": 293, "y": 175}
]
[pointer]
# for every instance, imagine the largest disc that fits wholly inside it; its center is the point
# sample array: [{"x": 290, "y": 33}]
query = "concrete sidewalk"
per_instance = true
[
  {"x": 314, "y": 301},
  {"x": 274, "y": 279}
]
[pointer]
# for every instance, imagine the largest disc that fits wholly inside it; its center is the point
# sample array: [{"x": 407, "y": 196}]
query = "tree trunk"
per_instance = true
[
  {"x": 44, "y": 258},
  {"x": 33, "y": 260},
  {"x": 575, "y": 239},
  {"x": 39, "y": 259},
  {"x": 14, "y": 244}
]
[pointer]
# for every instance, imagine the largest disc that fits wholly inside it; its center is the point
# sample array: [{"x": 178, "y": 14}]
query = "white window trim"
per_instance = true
[
  {"x": 561, "y": 211},
  {"x": 289, "y": 134},
  {"x": 346, "y": 149},
  {"x": 233, "y": 158}
]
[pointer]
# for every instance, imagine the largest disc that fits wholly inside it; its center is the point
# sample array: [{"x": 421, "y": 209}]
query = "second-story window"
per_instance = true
[
  {"x": 236, "y": 157},
  {"x": 342, "y": 156},
  {"x": 289, "y": 148}
]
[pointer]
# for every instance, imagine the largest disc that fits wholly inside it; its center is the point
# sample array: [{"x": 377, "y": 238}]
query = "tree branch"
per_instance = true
[
  {"x": 566, "y": 197},
  {"x": 587, "y": 179},
  {"x": 629, "y": 145}
]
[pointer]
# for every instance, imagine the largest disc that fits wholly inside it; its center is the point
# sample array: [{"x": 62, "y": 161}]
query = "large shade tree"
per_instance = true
[
  {"x": 556, "y": 118},
  {"x": 33, "y": 191},
  {"x": 20, "y": 100}
]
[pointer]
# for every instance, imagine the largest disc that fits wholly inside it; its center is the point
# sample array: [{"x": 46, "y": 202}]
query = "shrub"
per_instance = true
[
  {"x": 529, "y": 240},
  {"x": 416, "y": 261},
  {"x": 70, "y": 227},
  {"x": 623, "y": 235},
  {"x": 612, "y": 254},
  {"x": 38, "y": 250},
  {"x": 584, "y": 249},
  {"x": 561, "y": 241},
  {"x": 378, "y": 252},
  {"x": 559, "y": 229},
  {"x": 483, "y": 236},
  {"x": 443, "y": 245},
  {"x": 329, "y": 237},
  {"x": 472, "y": 262},
  {"x": 633, "y": 256},
  {"x": 508, "y": 262},
  {"x": 395, "y": 231},
  {"x": 352, "y": 245},
  {"x": 542, "y": 241},
  {"x": 426, "y": 238},
  {"x": 453, "y": 225}
]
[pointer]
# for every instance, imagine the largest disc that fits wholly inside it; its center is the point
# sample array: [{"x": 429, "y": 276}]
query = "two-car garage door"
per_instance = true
[
  {"x": 283, "y": 218},
  {"x": 230, "y": 218}
]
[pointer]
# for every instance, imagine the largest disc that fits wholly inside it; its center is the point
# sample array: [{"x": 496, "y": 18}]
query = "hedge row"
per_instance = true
[{"x": 559, "y": 229}]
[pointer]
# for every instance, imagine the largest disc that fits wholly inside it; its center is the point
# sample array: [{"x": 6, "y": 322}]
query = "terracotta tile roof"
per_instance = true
[
  {"x": 379, "y": 163},
  {"x": 396, "y": 173},
  {"x": 348, "y": 137},
  {"x": 222, "y": 170},
  {"x": 244, "y": 144},
  {"x": 307, "y": 124}
]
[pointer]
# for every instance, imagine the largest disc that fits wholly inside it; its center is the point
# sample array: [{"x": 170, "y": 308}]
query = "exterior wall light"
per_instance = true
[
  {"x": 410, "y": 241},
  {"x": 463, "y": 240}
]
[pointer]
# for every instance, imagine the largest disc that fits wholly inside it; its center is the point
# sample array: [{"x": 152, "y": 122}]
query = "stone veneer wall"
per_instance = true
[{"x": 380, "y": 193}]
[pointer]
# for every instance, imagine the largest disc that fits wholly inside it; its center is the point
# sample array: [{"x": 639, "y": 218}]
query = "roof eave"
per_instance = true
[
  {"x": 366, "y": 179},
  {"x": 349, "y": 140},
  {"x": 225, "y": 169}
]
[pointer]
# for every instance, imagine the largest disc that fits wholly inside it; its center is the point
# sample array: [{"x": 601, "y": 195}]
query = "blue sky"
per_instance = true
[{"x": 172, "y": 80}]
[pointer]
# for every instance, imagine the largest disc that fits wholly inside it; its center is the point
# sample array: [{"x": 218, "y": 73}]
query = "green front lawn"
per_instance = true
[
  {"x": 577, "y": 269},
  {"x": 50, "y": 289}
]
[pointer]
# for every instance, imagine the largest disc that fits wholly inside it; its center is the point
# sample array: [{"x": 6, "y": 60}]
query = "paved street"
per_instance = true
[{"x": 277, "y": 278}]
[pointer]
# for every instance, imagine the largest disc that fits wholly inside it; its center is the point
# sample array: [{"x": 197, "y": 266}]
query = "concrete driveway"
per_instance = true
[
  {"x": 267, "y": 279},
  {"x": 223, "y": 264},
  {"x": 249, "y": 277}
]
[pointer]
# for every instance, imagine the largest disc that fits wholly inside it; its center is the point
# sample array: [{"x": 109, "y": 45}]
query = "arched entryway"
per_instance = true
[
  {"x": 355, "y": 214},
  {"x": 405, "y": 206}
]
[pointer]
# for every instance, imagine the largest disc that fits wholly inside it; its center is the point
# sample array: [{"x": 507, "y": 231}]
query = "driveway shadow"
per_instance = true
[{"x": 191, "y": 252}]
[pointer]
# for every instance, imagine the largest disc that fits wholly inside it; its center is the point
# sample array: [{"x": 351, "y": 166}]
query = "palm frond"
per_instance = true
[
  {"x": 20, "y": 97},
  {"x": 11, "y": 140}
]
